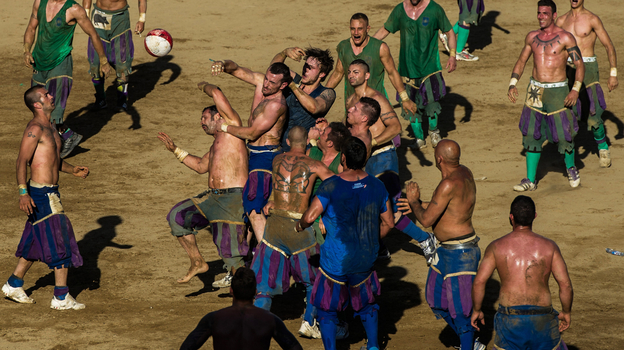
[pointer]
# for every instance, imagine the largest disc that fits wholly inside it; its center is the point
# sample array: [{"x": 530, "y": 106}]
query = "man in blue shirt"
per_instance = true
[{"x": 356, "y": 212}]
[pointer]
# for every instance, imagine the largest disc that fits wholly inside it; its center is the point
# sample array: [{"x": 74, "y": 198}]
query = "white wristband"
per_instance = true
[
  {"x": 142, "y": 17},
  {"x": 577, "y": 86},
  {"x": 224, "y": 127},
  {"x": 513, "y": 82},
  {"x": 613, "y": 72},
  {"x": 180, "y": 154}
]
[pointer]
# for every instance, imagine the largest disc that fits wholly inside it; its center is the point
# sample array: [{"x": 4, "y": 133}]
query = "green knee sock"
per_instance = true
[
  {"x": 568, "y": 157},
  {"x": 433, "y": 122},
  {"x": 418, "y": 130},
  {"x": 600, "y": 137},
  {"x": 462, "y": 38},
  {"x": 532, "y": 159},
  {"x": 456, "y": 27}
]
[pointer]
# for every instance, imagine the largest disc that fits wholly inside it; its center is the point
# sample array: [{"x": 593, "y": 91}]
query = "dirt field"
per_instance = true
[{"x": 118, "y": 212}]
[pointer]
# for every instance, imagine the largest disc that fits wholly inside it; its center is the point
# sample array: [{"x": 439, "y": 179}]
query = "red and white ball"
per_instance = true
[{"x": 158, "y": 42}]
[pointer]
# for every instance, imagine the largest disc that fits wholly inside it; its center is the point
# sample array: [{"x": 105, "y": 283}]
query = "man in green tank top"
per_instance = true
[
  {"x": 419, "y": 60},
  {"x": 375, "y": 53},
  {"x": 54, "y": 22}
]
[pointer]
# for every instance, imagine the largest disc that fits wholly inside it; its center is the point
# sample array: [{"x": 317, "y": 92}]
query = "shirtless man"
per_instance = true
[
  {"x": 586, "y": 27},
  {"x": 53, "y": 22},
  {"x": 263, "y": 132},
  {"x": 242, "y": 325},
  {"x": 456, "y": 260},
  {"x": 525, "y": 262},
  {"x": 219, "y": 206},
  {"x": 375, "y": 53},
  {"x": 111, "y": 20},
  {"x": 384, "y": 162},
  {"x": 281, "y": 250},
  {"x": 548, "y": 113},
  {"x": 308, "y": 100},
  {"x": 48, "y": 235}
]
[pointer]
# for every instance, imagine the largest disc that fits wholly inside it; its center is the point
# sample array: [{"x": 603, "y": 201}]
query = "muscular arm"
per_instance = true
[
  {"x": 604, "y": 38},
  {"x": 140, "y": 25},
  {"x": 566, "y": 294},
  {"x": 387, "y": 220},
  {"x": 575, "y": 55},
  {"x": 381, "y": 34},
  {"x": 452, "y": 42},
  {"x": 336, "y": 75},
  {"x": 512, "y": 92},
  {"x": 322, "y": 171},
  {"x": 263, "y": 123},
  {"x": 295, "y": 54},
  {"x": 283, "y": 337},
  {"x": 199, "y": 335},
  {"x": 223, "y": 105},
  {"x": 389, "y": 119},
  {"x": 30, "y": 140},
  {"x": 440, "y": 200},
  {"x": 29, "y": 34},
  {"x": 395, "y": 77},
  {"x": 320, "y": 104},
  {"x": 242, "y": 73},
  {"x": 200, "y": 165},
  {"x": 488, "y": 264},
  {"x": 314, "y": 211},
  {"x": 83, "y": 21}
]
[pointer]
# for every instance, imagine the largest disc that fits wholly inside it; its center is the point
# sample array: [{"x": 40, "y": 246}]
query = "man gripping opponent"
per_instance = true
[
  {"x": 51, "y": 59},
  {"x": 525, "y": 261},
  {"x": 586, "y": 27},
  {"x": 455, "y": 263},
  {"x": 263, "y": 132},
  {"x": 48, "y": 235},
  {"x": 548, "y": 113},
  {"x": 307, "y": 100},
  {"x": 419, "y": 61},
  {"x": 356, "y": 212},
  {"x": 283, "y": 253},
  {"x": 219, "y": 206},
  {"x": 111, "y": 20},
  {"x": 384, "y": 162}
]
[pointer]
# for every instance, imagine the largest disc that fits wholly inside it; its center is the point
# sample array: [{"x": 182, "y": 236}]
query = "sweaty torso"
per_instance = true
[
  {"x": 456, "y": 220},
  {"x": 45, "y": 163},
  {"x": 549, "y": 55},
  {"x": 111, "y": 5},
  {"x": 581, "y": 28},
  {"x": 228, "y": 162},
  {"x": 294, "y": 175},
  {"x": 524, "y": 263},
  {"x": 272, "y": 136}
]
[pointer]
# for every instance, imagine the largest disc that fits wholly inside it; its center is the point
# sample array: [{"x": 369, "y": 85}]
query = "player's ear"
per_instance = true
[
  {"x": 511, "y": 219},
  {"x": 288, "y": 142},
  {"x": 367, "y": 76}
]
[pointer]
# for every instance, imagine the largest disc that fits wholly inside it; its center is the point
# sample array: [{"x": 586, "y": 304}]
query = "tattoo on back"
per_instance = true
[
  {"x": 545, "y": 43},
  {"x": 292, "y": 175},
  {"x": 574, "y": 53}
]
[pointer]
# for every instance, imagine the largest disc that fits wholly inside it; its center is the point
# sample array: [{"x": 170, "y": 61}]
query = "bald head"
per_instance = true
[
  {"x": 297, "y": 136},
  {"x": 449, "y": 151}
]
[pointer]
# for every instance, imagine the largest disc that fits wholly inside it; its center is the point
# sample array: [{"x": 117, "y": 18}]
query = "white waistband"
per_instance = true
[
  {"x": 382, "y": 149},
  {"x": 549, "y": 85},
  {"x": 585, "y": 59}
]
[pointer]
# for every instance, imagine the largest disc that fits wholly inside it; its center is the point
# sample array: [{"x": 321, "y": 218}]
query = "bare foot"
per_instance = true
[{"x": 194, "y": 270}]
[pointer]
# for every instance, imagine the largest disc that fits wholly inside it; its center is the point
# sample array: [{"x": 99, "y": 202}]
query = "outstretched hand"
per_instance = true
[
  {"x": 294, "y": 53},
  {"x": 80, "y": 171},
  {"x": 217, "y": 67},
  {"x": 167, "y": 141}
]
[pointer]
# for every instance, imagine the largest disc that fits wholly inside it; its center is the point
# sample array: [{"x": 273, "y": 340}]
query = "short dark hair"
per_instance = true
[
  {"x": 324, "y": 57},
  {"x": 361, "y": 16},
  {"x": 213, "y": 110},
  {"x": 361, "y": 62},
  {"x": 31, "y": 96},
  {"x": 281, "y": 68},
  {"x": 548, "y": 3},
  {"x": 523, "y": 210},
  {"x": 355, "y": 153},
  {"x": 371, "y": 109},
  {"x": 338, "y": 134},
  {"x": 244, "y": 284}
]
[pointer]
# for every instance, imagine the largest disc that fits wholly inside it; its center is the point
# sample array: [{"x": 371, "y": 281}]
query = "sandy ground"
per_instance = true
[{"x": 118, "y": 212}]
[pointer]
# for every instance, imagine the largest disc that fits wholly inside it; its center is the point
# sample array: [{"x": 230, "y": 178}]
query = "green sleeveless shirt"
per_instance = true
[
  {"x": 317, "y": 154},
  {"x": 54, "y": 38},
  {"x": 370, "y": 55}
]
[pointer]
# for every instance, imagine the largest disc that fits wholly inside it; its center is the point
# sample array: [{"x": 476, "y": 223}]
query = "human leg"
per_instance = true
[
  {"x": 258, "y": 222},
  {"x": 272, "y": 274},
  {"x": 198, "y": 264},
  {"x": 13, "y": 288},
  {"x": 62, "y": 300}
]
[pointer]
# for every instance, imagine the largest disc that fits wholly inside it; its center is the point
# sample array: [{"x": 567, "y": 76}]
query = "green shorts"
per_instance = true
[{"x": 58, "y": 81}]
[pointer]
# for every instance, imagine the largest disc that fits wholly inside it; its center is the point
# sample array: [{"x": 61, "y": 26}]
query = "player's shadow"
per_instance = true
[
  {"x": 214, "y": 268},
  {"x": 91, "y": 245},
  {"x": 492, "y": 291},
  {"x": 446, "y": 119},
  {"x": 404, "y": 173},
  {"x": 146, "y": 75},
  {"x": 481, "y": 35}
]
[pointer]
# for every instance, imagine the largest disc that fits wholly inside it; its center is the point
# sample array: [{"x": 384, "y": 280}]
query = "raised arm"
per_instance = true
[
  {"x": 512, "y": 92},
  {"x": 575, "y": 55},
  {"x": 604, "y": 38},
  {"x": 440, "y": 200},
  {"x": 242, "y": 73},
  {"x": 78, "y": 13},
  {"x": 223, "y": 105},
  {"x": 395, "y": 78},
  {"x": 488, "y": 264},
  {"x": 200, "y": 165},
  {"x": 321, "y": 104},
  {"x": 294, "y": 53},
  {"x": 336, "y": 76},
  {"x": 29, "y": 34},
  {"x": 566, "y": 294}
]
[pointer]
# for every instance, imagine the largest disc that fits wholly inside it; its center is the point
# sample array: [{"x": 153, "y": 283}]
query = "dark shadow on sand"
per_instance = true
[{"x": 481, "y": 36}]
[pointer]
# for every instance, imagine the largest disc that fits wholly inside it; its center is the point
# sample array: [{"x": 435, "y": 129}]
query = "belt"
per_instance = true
[
  {"x": 225, "y": 190},
  {"x": 585, "y": 59},
  {"x": 286, "y": 213},
  {"x": 273, "y": 150},
  {"x": 461, "y": 243},
  {"x": 383, "y": 149},
  {"x": 511, "y": 310},
  {"x": 549, "y": 85}
]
